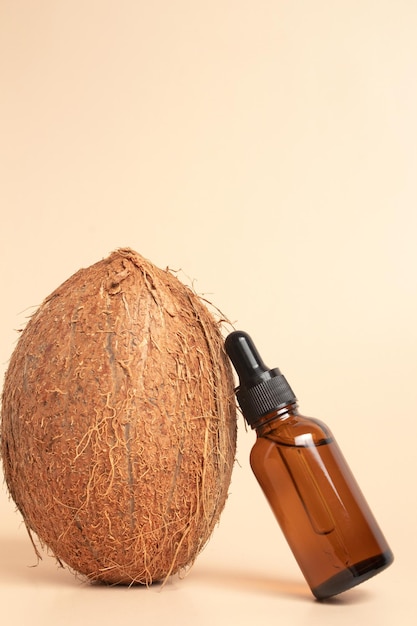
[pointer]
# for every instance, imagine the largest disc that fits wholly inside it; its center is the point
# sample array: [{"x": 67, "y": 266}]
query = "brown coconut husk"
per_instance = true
[{"x": 118, "y": 430}]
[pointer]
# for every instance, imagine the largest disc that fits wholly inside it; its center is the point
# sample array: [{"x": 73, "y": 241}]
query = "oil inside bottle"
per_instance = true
[{"x": 321, "y": 510}]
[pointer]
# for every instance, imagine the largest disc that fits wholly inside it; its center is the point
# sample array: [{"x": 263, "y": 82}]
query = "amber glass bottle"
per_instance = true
[{"x": 306, "y": 480}]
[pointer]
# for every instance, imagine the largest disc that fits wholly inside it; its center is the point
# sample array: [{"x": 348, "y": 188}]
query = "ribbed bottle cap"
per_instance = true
[{"x": 261, "y": 390}]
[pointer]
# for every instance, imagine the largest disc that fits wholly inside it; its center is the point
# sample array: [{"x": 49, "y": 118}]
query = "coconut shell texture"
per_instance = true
[{"x": 118, "y": 429}]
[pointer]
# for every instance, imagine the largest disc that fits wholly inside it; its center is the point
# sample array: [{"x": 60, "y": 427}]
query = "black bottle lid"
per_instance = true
[{"x": 261, "y": 390}]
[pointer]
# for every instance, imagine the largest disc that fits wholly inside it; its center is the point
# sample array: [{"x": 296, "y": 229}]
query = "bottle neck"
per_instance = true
[{"x": 279, "y": 414}]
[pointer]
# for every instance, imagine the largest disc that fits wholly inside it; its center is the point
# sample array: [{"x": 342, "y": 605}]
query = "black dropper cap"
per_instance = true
[{"x": 260, "y": 390}]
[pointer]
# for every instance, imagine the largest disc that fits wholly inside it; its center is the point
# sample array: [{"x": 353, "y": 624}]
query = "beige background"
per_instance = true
[{"x": 269, "y": 149}]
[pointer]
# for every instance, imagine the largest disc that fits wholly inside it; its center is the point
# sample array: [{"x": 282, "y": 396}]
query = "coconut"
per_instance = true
[{"x": 118, "y": 429}]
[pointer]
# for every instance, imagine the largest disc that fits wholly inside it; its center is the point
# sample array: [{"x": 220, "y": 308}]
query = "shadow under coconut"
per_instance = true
[
  {"x": 242, "y": 580},
  {"x": 255, "y": 583}
]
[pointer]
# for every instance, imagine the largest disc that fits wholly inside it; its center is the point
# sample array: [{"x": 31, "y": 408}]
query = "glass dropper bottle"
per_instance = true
[{"x": 306, "y": 480}]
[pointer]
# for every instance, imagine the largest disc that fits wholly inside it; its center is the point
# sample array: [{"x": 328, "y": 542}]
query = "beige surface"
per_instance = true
[{"x": 269, "y": 149}]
